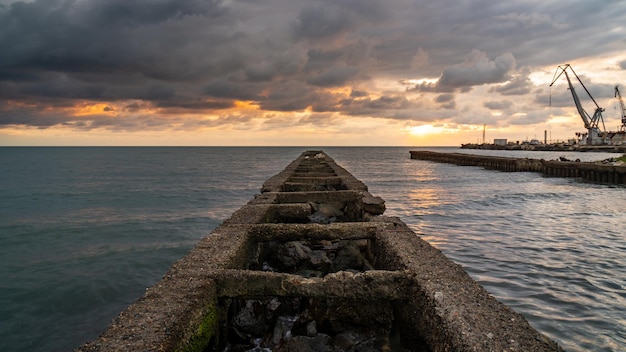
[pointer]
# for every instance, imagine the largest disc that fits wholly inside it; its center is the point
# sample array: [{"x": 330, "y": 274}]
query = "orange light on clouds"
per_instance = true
[
  {"x": 87, "y": 109},
  {"x": 246, "y": 105},
  {"x": 12, "y": 104},
  {"x": 345, "y": 91}
]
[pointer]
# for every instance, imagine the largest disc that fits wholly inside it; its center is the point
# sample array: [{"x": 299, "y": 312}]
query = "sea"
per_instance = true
[{"x": 85, "y": 230}]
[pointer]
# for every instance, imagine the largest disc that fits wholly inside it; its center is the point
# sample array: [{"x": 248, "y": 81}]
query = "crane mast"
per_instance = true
[
  {"x": 591, "y": 123},
  {"x": 623, "y": 111}
]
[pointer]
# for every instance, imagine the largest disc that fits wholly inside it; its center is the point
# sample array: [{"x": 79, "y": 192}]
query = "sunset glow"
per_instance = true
[{"x": 303, "y": 72}]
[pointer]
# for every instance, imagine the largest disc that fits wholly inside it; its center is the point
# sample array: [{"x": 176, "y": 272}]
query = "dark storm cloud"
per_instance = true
[
  {"x": 478, "y": 70},
  {"x": 115, "y": 35},
  {"x": 444, "y": 98},
  {"x": 321, "y": 22},
  {"x": 27, "y": 116},
  {"x": 329, "y": 19},
  {"x": 358, "y": 94},
  {"x": 388, "y": 106},
  {"x": 229, "y": 89},
  {"x": 199, "y": 55},
  {"x": 289, "y": 96},
  {"x": 106, "y": 50},
  {"x": 197, "y": 105},
  {"x": 318, "y": 60},
  {"x": 18, "y": 76},
  {"x": 333, "y": 77},
  {"x": 498, "y": 105},
  {"x": 446, "y": 101},
  {"x": 520, "y": 85}
]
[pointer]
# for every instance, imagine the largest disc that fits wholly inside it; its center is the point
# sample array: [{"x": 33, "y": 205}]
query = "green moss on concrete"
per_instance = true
[
  {"x": 207, "y": 330},
  {"x": 622, "y": 158}
]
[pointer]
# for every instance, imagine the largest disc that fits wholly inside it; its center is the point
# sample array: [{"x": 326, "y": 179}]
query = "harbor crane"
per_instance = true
[
  {"x": 623, "y": 111},
  {"x": 594, "y": 134}
]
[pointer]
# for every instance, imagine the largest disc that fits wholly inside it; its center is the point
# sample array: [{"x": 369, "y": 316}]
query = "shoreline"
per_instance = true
[
  {"x": 549, "y": 147},
  {"x": 588, "y": 171}
]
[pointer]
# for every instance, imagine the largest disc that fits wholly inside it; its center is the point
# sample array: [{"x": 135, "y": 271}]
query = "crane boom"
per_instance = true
[
  {"x": 623, "y": 111},
  {"x": 591, "y": 123},
  {"x": 583, "y": 114}
]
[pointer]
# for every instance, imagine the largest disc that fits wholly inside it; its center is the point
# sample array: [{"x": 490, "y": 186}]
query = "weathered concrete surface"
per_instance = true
[
  {"x": 389, "y": 285},
  {"x": 452, "y": 311},
  {"x": 376, "y": 284},
  {"x": 592, "y": 172}
]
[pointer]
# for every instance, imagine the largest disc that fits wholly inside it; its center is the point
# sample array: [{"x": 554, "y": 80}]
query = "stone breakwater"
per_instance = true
[
  {"x": 591, "y": 172},
  {"x": 311, "y": 264}
]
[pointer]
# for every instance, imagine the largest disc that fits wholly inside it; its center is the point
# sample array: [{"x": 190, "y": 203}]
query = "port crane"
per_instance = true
[
  {"x": 594, "y": 134},
  {"x": 623, "y": 111}
]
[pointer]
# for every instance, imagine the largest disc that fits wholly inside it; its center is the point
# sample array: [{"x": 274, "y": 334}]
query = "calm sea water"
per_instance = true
[{"x": 83, "y": 232}]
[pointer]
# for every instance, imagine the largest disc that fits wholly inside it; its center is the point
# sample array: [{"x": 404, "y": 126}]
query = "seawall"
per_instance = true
[
  {"x": 311, "y": 264},
  {"x": 591, "y": 172}
]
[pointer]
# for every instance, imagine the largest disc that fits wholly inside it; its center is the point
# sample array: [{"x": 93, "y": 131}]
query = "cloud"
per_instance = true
[
  {"x": 518, "y": 85},
  {"x": 174, "y": 62},
  {"x": 393, "y": 106},
  {"x": 358, "y": 94},
  {"x": 478, "y": 70},
  {"x": 232, "y": 89},
  {"x": 321, "y": 23},
  {"x": 288, "y": 96},
  {"x": 498, "y": 105},
  {"x": 333, "y": 77},
  {"x": 531, "y": 20},
  {"x": 111, "y": 36},
  {"x": 420, "y": 59},
  {"x": 530, "y": 118},
  {"x": 330, "y": 19},
  {"x": 446, "y": 101}
]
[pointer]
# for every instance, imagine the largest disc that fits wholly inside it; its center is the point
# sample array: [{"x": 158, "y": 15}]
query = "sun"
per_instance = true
[{"x": 423, "y": 130}]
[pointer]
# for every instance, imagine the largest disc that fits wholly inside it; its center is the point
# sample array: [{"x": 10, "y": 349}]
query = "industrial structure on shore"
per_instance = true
[
  {"x": 597, "y": 138},
  {"x": 607, "y": 173},
  {"x": 596, "y": 130}
]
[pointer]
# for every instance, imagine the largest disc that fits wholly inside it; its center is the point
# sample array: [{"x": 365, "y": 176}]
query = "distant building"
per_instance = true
[
  {"x": 617, "y": 138},
  {"x": 500, "y": 141}
]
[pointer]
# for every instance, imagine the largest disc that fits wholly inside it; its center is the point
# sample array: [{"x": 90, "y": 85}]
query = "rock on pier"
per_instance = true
[{"x": 311, "y": 264}]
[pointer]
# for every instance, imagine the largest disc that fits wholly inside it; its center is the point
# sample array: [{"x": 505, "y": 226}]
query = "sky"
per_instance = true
[{"x": 304, "y": 72}]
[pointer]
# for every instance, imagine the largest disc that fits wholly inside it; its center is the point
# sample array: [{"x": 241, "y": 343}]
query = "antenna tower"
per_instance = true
[{"x": 484, "y": 127}]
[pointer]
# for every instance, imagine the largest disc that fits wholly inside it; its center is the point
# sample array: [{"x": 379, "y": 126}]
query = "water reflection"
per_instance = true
[
  {"x": 547, "y": 247},
  {"x": 552, "y": 249},
  {"x": 426, "y": 198}
]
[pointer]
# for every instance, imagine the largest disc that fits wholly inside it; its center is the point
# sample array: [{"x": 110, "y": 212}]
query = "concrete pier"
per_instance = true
[
  {"x": 591, "y": 172},
  {"x": 311, "y": 264}
]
